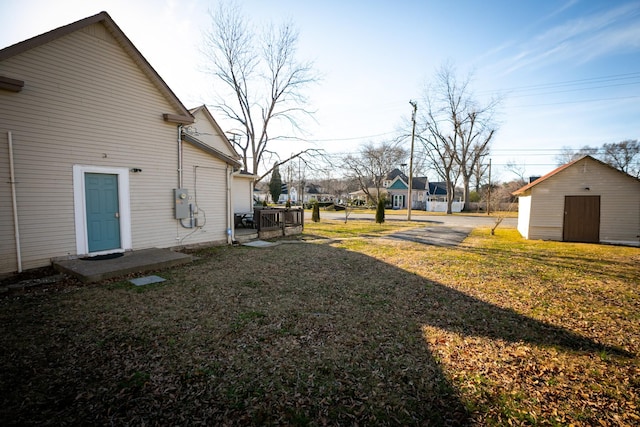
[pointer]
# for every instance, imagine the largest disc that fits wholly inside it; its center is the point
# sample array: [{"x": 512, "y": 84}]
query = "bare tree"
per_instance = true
[
  {"x": 265, "y": 82},
  {"x": 372, "y": 164},
  {"x": 518, "y": 169},
  {"x": 624, "y": 155},
  {"x": 457, "y": 130},
  {"x": 568, "y": 154}
]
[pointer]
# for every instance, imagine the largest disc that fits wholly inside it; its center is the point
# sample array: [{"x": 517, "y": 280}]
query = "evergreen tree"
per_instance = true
[
  {"x": 380, "y": 210},
  {"x": 275, "y": 184},
  {"x": 315, "y": 214}
]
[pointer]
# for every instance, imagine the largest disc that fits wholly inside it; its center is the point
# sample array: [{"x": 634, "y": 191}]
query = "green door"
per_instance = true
[{"x": 103, "y": 216}]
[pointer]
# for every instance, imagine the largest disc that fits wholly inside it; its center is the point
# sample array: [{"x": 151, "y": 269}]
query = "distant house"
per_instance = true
[
  {"x": 99, "y": 155},
  {"x": 398, "y": 191},
  {"x": 425, "y": 195},
  {"x": 316, "y": 192},
  {"x": 583, "y": 201}
]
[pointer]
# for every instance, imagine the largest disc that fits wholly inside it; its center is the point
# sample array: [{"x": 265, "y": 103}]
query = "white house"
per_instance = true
[{"x": 99, "y": 155}]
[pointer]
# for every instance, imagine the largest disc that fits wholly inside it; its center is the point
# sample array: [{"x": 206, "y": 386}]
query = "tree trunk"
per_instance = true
[
  {"x": 465, "y": 192},
  {"x": 450, "y": 196}
]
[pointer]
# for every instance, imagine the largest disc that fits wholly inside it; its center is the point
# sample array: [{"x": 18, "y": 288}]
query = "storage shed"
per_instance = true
[{"x": 583, "y": 201}]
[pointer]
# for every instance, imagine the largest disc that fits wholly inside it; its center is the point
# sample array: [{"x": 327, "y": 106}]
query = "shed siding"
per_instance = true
[
  {"x": 619, "y": 196},
  {"x": 524, "y": 209},
  {"x": 86, "y": 102}
]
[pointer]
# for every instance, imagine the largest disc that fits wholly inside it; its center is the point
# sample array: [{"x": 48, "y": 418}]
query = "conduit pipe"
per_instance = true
[{"x": 12, "y": 178}]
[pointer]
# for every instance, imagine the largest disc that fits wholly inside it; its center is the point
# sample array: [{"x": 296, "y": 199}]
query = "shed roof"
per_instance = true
[
  {"x": 563, "y": 167},
  {"x": 183, "y": 115}
]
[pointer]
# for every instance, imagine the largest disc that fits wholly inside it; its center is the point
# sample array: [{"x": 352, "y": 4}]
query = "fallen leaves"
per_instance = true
[{"x": 360, "y": 332}]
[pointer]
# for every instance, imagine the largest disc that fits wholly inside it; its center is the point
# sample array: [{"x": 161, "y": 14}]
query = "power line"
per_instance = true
[
  {"x": 590, "y": 80},
  {"x": 549, "y": 104}
]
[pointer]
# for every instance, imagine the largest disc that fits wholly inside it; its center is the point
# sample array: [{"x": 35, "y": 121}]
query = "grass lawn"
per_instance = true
[{"x": 348, "y": 327}]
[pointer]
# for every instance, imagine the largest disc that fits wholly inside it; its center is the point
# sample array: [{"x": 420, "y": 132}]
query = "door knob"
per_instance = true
[{"x": 117, "y": 215}]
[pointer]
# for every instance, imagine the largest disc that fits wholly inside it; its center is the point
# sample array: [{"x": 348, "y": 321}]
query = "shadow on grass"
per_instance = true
[
  {"x": 327, "y": 336},
  {"x": 580, "y": 263}
]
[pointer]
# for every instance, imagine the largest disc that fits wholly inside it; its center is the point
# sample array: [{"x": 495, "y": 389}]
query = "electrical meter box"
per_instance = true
[{"x": 182, "y": 202}]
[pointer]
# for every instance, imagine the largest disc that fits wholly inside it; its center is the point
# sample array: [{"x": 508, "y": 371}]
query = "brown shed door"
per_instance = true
[{"x": 581, "y": 219}]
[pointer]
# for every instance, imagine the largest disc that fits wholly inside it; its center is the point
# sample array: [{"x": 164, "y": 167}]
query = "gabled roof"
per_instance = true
[
  {"x": 395, "y": 173},
  {"x": 563, "y": 167},
  {"x": 204, "y": 110},
  {"x": 312, "y": 189},
  {"x": 438, "y": 188},
  {"x": 103, "y": 18},
  {"x": 400, "y": 182}
]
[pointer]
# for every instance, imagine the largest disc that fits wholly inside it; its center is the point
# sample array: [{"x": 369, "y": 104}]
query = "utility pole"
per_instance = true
[
  {"x": 414, "y": 104},
  {"x": 489, "y": 191}
]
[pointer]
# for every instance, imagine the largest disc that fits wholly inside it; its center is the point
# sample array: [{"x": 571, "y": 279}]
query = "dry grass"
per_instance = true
[{"x": 340, "y": 330}]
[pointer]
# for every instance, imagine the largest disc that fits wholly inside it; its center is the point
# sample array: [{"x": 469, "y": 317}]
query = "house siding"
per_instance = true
[
  {"x": 85, "y": 102},
  {"x": 206, "y": 181},
  {"x": 619, "y": 202},
  {"x": 242, "y": 194},
  {"x": 206, "y": 132}
]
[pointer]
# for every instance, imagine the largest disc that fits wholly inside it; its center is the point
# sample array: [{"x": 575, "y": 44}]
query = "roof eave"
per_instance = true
[{"x": 207, "y": 148}]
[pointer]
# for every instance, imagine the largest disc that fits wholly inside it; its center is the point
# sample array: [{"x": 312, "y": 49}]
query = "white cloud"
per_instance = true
[{"x": 581, "y": 39}]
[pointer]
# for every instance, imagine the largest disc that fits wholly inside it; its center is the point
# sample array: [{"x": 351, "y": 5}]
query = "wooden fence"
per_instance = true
[{"x": 270, "y": 219}]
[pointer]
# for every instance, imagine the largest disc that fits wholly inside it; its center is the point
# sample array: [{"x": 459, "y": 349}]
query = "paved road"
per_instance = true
[
  {"x": 438, "y": 230},
  {"x": 420, "y": 216}
]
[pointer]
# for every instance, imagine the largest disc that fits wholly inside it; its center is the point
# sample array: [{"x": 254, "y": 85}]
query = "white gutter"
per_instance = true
[
  {"x": 12, "y": 179},
  {"x": 230, "y": 223},
  {"x": 179, "y": 156}
]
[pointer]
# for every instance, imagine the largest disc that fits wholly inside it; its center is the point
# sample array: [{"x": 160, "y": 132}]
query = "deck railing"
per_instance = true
[{"x": 278, "y": 218}]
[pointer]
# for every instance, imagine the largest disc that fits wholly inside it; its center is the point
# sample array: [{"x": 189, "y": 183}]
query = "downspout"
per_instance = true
[
  {"x": 230, "y": 223},
  {"x": 179, "y": 156},
  {"x": 12, "y": 179}
]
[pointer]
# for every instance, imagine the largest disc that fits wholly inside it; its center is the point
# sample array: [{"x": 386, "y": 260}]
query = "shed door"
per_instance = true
[
  {"x": 581, "y": 219},
  {"x": 103, "y": 216}
]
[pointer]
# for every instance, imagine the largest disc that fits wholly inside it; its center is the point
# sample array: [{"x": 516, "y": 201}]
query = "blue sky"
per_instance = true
[{"x": 569, "y": 71}]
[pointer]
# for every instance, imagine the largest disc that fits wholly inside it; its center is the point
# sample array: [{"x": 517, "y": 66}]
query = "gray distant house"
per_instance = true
[{"x": 583, "y": 201}]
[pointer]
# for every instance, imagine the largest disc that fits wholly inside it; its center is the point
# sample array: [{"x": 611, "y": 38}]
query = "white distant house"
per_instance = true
[
  {"x": 425, "y": 195},
  {"x": 583, "y": 201}
]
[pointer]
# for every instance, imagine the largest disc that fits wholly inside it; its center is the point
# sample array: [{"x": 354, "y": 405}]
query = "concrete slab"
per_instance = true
[
  {"x": 131, "y": 262},
  {"x": 259, "y": 244},
  {"x": 147, "y": 280}
]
